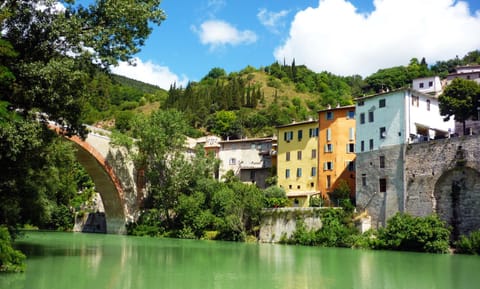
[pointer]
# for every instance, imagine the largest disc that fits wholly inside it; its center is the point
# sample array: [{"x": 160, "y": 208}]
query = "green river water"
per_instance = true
[{"x": 91, "y": 261}]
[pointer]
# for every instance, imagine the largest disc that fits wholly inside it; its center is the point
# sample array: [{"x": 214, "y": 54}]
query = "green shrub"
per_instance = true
[
  {"x": 275, "y": 197},
  {"x": 337, "y": 231},
  {"x": 11, "y": 260},
  {"x": 469, "y": 244},
  {"x": 148, "y": 224},
  {"x": 407, "y": 233},
  {"x": 316, "y": 202}
]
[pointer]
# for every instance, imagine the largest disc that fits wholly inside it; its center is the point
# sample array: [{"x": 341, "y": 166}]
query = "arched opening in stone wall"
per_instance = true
[{"x": 457, "y": 200}]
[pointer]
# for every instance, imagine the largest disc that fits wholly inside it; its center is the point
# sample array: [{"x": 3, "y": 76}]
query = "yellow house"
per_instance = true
[
  {"x": 297, "y": 161},
  {"x": 336, "y": 146}
]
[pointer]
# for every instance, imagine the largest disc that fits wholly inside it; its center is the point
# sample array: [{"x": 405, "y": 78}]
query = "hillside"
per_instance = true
[{"x": 255, "y": 101}]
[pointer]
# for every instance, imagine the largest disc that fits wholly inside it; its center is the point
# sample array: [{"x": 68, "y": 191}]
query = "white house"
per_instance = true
[
  {"x": 470, "y": 72},
  {"x": 398, "y": 117},
  {"x": 386, "y": 124},
  {"x": 430, "y": 85},
  {"x": 249, "y": 159}
]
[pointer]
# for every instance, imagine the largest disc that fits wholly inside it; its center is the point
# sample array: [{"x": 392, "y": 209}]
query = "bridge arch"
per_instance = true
[
  {"x": 120, "y": 185},
  {"x": 107, "y": 184},
  {"x": 457, "y": 199}
]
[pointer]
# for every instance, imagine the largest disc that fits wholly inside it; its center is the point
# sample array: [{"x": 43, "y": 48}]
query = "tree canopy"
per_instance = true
[
  {"x": 52, "y": 48},
  {"x": 461, "y": 100}
]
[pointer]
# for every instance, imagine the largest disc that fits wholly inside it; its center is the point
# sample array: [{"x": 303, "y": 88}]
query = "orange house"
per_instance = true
[{"x": 336, "y": 147}]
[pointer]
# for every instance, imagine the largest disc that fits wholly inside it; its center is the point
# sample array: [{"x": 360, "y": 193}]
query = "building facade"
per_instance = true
[
  {"x": 249, "y": 159},
  {"x": 336, "y": 147},
  {"x": 297, "y": 161},
  {"x": 386, "y": 124}
]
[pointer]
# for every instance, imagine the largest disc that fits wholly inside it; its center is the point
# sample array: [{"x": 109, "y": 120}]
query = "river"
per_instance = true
[{"x": 98, "y": 261}]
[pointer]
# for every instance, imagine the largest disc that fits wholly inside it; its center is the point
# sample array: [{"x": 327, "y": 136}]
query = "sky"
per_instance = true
[{"x": 344, "y": 37}]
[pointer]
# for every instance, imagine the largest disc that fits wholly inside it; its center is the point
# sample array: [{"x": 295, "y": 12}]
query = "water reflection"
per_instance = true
[{"x": 75, "y": 261}]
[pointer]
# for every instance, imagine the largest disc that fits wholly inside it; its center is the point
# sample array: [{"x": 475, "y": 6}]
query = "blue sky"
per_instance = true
[{"x": 339, "y": 36}]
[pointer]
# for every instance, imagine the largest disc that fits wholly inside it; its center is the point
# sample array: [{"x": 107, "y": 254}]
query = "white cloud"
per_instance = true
[
  {"x": 151, "y": 73},
  {"x": 217, "y": 33},
  {"x": 272, "y": 20},
  {"x": 336, "y": 38}
]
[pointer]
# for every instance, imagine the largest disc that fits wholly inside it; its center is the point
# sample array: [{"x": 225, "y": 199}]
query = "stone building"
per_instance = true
[
  {"x": 386, "y": 124},
  {"x": 249, "y": 159}
]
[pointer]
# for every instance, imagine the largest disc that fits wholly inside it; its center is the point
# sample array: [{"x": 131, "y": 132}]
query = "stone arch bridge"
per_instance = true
[{"x": 120, "y": 185}]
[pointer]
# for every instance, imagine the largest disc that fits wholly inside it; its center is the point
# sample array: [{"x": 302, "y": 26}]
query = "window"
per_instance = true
[
  {"x": 351, "y": 166},
  {"x": 252, "y": 175},
  {"x": 288, "y": 136},
  {"x": 362, "y": 146},
  {"x": 329, "y": 115},
  {"x": 328, "y": 148},
  {"x": 360, "y": 103},
  {"x": 383, "y": 185},
  {"x": 351, "y": 114},
  {"x": 430, "y": 83},
  {"x": 299, "y": 155},
  {"x": 328, "y": 166},
  {"x": 329, "y": 182},
  {"x": 362, "y": 118},
  {"x": 329, "y": 134},
  {"x": 287, "y": 173},
  {"x": 428, "y": 104},
  {"x": 313, "y": 132},
  {"x": 232, "y": 161},
  {"x": 382, "y": 162},
  {"x": 383, "y": 132},
  {"x": 371, "y": 144},
  {"x": 314, "y": 171},
  {"x": 300, "y": 135},
  {"x": 370, "y": 116},
  {"x": 381, "y": 103},
  {"x": 415, "y": 100},
  {"x": 420, "y": 85},
  {"x": 364, "y": 180},
  {"x": 350, "y": 147},
  {"x": 287, "y": 156},
  {"x": 351, "y": 133},
  {"x": 314, "y": 154},
  {"x": 299, "y": 172}
]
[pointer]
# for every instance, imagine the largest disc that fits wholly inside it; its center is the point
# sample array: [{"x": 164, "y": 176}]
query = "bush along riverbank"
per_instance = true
[
  {"x": 11, "y": 260},
  {"x": 402, "y": 233}
]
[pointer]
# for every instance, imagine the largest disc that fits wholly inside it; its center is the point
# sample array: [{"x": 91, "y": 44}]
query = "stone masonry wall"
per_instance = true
[
  {"x": 443, "y": 177},
  {"x": 439, "y": 176},
  {"x": 379, "y": 205},
  {"x": 282, "y": 222}
]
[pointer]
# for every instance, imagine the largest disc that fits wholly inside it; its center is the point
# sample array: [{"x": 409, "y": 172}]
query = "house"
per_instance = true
[
  {"x": 430, "y": 85},
  {"x": 336, "y": 147},
  {"x": 386, "y": 124},
  {"x": 470, "y": 72},
  {"x": 249, "y": 159},
  {"x": 297, "y": 161}
]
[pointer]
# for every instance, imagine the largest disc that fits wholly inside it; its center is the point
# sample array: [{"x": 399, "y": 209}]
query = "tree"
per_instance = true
[
  {"x": 48, "y": 54},
  {"x": 225, "y": 124},
  {"x": 161, "y": 149},
  {"x": 45, "y": 36},
  {"x": 460, "y": 99}
]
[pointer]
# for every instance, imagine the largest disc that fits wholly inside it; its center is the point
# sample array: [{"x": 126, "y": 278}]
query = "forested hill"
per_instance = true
[{"x": 253, "y": 101}]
